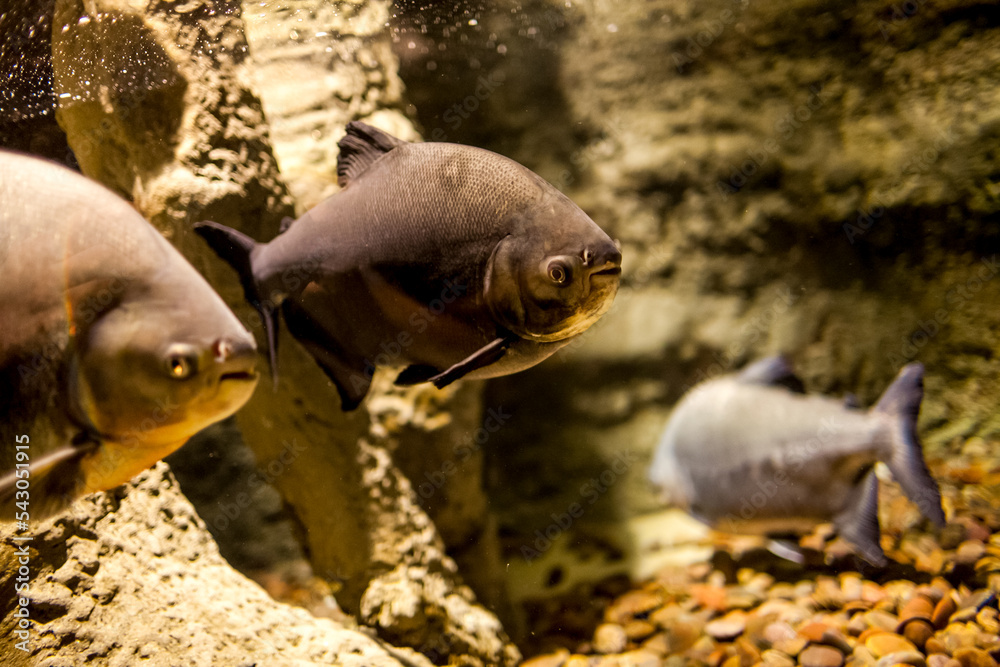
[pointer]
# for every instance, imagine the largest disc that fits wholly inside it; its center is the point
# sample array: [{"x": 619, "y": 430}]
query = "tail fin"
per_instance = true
[
  {"x": 236, "y": 248},
  {"x": 902, "y": 401}
]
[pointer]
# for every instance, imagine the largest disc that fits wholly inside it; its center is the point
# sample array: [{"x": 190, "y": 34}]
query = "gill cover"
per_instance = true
[{"x": 550, "y": 297}]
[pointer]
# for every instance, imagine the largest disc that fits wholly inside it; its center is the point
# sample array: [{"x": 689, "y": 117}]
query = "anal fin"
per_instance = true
[
  {"x": 858, "y": 522},
  {"x": 349, "y": 372}
]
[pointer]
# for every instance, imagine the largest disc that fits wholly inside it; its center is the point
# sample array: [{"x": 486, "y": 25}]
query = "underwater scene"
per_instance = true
[{"x": 557, "y": 333}]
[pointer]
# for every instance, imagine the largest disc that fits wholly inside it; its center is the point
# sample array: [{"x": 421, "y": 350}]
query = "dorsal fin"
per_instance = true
[
  {"x": 360, "y": 147},
  {"x": 772, "y": 371}
]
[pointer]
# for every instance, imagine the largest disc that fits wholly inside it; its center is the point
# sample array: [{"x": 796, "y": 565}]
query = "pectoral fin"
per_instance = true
[
  {"x": 481, "y": 358},
  {"x": 416, "y": 374},
  {"x": 53, "y": 479},
  {"x": 787, "y": 549},
  {"x": 858, "y": 522},
  {"x": 349, "y": 373}
]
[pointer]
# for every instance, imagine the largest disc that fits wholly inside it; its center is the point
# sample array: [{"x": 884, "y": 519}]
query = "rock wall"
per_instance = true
[
  {"x": 134, "y": 576},
  {"x": 813, "y": 178}
]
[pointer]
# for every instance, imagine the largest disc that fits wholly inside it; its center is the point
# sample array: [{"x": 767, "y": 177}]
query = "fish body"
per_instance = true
[
  {"x": 113, "y": 349},
  {"x": 448, "y": 260},
  {"x": 745, "y": 454}
]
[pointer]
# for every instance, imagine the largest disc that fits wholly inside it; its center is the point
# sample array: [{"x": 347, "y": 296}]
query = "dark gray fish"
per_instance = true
[
  {"x": 450, "y": 260},
  {"x": 745, "y": 454},
  {"x": 113, "y": 349}
]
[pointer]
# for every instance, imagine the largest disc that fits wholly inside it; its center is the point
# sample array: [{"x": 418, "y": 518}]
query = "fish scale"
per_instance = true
[{"x": 447, "y": 261}]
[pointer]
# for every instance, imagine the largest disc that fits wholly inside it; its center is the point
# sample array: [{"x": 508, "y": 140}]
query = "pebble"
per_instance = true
[
  {"x": 818, "y": 655},
  {"x": 918, "y": 631},
  {"x": 917, "y": 607},
  {"x": 943, "y": 611},
  {"x": 631, "y": 605},
  {"x": 631, "y": 659},
  {"x": 885, "y": 643},
  {"x": 557, "y": 659},
  {"x": 773, "y": 658},
  {"x": 882, "y": 620},
  {"x": 914, "y": 658},
  {"x": 941, "y": 660},
  {"x": 727, "y": 628},
  {"x": 969, "y": 551},
  {"x": 610, "y": 638},
  {"x": 735, "y": 615},
  {"x": 974, "y": 657},
  {"x": 779, "y": 631}
]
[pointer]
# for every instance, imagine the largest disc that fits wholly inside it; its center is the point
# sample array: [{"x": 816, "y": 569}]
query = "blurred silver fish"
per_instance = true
[
  {"x": 450, "y": 260},
  {"x": 113, "y": 349},
  {"x": 746, "y": 454}
]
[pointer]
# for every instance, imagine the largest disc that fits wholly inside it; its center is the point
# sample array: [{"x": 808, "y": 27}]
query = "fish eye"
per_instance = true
[
  {"x": 559, "y": 272},
  {"x": 182, "y": 362}
]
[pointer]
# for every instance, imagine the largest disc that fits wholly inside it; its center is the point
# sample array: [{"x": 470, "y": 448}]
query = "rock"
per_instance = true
[
  {"x": 610, "y": 638},
  {"x": 821, "y": 656},
  {"x": 728, "y": 627},
  {"x": 918, "y": 631},
  {"x": 134, "y": 572},
  {"x": 943, "y": 611},
  {"x": 639, "y": 630},
  {"x": 558, "y": 659},
  {"x": 884, "y": 643},
  {"x": 779, "y": 631},
  {"x": 969, "y": 551},
  {"x": 773, "y": 658},
  {"x": 974, "y": 657},
  {"x": 917, "y": 607},
  {"x": 631, "y": 605},
  {"x": 941, "y": 660},
  {"x": 914, "y": 658}
]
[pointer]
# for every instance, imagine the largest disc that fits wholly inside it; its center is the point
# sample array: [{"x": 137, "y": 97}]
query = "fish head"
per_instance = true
[
  {"x": 556, "y": 276},
  {"x": 166, "y": 360}
]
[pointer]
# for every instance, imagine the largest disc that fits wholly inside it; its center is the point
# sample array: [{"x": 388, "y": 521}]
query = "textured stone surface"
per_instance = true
[{"x": 133, "y": 576}]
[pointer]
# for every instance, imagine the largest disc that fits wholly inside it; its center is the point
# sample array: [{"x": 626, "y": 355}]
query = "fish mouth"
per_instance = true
[
  {"x": 610, "y": 271},
  {"x": 240, "y": 376}
]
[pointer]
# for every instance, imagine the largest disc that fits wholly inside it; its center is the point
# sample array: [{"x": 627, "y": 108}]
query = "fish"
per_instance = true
[
  {"x": 114, "y": 350},
  {"x": 749, "y": 453},
  {"x": 445, "y": 260}
]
